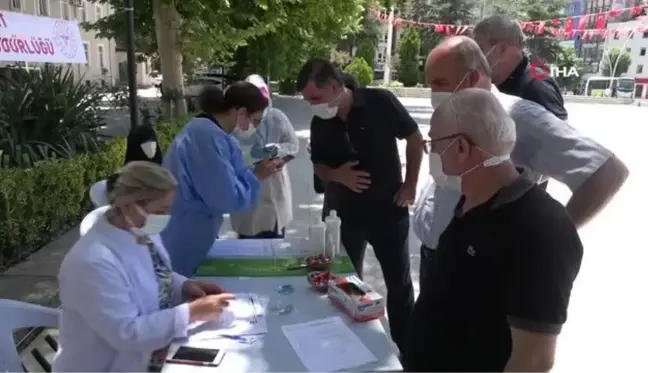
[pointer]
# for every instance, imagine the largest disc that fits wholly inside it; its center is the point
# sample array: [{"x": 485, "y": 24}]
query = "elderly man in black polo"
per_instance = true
[
  {"x": 354, "y": 151},
  {"x": 507, "y": 261}
]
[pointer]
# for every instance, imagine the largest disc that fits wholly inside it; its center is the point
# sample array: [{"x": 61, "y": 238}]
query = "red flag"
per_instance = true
[
  {"x": 439, "y": 29},
  {"x": 569, "y": 24},
  {"x": 600, "y": 21},
  {"x": 582, "y": 22},
  {"x": 540, "y": 28},
  {"x": 636, "y": 10},
  {"x": 555, "y": 22}
]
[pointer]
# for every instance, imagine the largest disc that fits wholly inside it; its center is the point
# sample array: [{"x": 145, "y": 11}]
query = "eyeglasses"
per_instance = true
[{"x": 428, "y": 143}]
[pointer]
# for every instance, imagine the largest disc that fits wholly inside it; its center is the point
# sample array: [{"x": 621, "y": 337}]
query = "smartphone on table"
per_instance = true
[{"x": 210, "y": 357}]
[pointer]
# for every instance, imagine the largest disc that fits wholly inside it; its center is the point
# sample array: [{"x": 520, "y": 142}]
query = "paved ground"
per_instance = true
[{"x": 607, "y": 324}]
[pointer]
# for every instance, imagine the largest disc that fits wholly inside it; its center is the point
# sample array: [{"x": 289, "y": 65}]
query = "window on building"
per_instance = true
[
  {"x": 98, "y": 13},
  {"x": 43, "y": 7},
  {"x": 65, "y": 10},
  {"x": 645, "y": 35},
  {"x": 83, "y": 11},
  {"x": 100, "y": 56},
  {"x": 642, "y": 52},
  {"x": 86, "y": 49},
  {"x": 616, "y": 35},
  {"x": 639, "y": 69},
  {"x": 16, "y": 4}
]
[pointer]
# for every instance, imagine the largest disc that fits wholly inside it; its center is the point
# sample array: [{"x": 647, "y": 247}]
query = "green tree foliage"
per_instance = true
[
  {"x": 307, "y": 28},
  {"x": 454, "y": 12},
  {"x": 367, "y": 51},
  {"x": 566, "y": 60},
  {"x": 542, "y": 46},
  {"x": 615, "y": 58},
  {"x": 408, "y": 52},
  {"x": 361, "y": 70}
]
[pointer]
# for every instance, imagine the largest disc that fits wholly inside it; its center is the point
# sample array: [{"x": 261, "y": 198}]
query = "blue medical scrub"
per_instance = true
[{"x": 212, "y": 180}]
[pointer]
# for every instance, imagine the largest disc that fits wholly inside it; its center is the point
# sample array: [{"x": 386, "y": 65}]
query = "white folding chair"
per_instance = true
[{"x": 17, "y": 315}]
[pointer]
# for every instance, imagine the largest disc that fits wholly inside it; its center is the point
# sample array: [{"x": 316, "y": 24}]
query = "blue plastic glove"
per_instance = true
[{"x": 267, "y": 151}]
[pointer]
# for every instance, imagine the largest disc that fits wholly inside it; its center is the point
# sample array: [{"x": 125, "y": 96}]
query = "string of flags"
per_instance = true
[{"x": 563, "y": 27}]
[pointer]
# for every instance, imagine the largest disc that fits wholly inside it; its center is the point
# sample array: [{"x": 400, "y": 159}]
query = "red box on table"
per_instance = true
[{"x": 356, "y": 298}]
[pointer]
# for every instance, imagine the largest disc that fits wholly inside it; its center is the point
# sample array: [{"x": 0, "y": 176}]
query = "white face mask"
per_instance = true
[
  {"x": 454, "y": 181},
  {"x": 324, "y": 110},
  {"x": 437, "y": 98},
  {"x": 153, "y": 223},
  {"x": 244, "y": 135},
  {"x": 149, "y": 148}
]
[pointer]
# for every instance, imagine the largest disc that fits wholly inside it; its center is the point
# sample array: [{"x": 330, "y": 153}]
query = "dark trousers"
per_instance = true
[
  {"x": 276, "y": 233},
  {"x": 427, "y": 268},
  {"x": 390, "y": 243}
]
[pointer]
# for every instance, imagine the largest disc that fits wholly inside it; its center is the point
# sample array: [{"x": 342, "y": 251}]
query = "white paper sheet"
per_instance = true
[
  {"x": 242, "y": 248},
  {"x": 327, "y": 345},
  {"x": 245, "y": 316}
]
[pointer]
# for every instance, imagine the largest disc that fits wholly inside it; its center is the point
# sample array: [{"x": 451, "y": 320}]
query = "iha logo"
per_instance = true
[{"x": 540, "y": 71}]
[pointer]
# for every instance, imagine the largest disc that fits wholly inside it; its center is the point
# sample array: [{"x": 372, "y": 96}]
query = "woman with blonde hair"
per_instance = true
[{"x": 121, "y": 300}]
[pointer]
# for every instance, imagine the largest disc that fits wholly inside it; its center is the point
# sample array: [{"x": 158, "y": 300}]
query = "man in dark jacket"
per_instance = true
[{"x": 502, "y": 40}]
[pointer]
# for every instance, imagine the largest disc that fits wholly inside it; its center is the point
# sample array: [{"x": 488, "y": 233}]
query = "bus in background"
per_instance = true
[{"x": 605, "y": 86}]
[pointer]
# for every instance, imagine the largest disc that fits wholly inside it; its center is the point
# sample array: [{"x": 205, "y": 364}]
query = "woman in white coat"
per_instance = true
[
  {"x": 273, "y": 138},
  {"x": 122, "y": 303}
]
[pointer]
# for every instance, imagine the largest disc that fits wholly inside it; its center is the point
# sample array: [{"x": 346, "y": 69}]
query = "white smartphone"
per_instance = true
[{"x": 197, "y": 356}]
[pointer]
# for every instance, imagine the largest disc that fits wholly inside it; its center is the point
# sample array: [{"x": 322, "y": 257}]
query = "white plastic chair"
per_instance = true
[{"x": 17, "y": 315}]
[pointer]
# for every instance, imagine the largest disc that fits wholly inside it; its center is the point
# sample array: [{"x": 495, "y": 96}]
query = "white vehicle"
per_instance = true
[
  {"x": 195, "y": 86},
  {"x": 156, "y": 78},
  {"x": 622, "y": 87}
]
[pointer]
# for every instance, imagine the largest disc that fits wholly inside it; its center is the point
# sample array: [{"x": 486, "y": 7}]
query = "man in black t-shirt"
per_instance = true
[
  {"x": 507, "y": 261},
  {"x": 354, "y": 151},
  {"x": 502, "y": 40}
]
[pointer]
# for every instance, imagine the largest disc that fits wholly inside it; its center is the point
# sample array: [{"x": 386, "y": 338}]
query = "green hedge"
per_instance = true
[{"x": 39, "y": 204}]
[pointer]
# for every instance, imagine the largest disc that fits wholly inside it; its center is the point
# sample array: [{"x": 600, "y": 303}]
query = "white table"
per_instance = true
[{"x": 273, "y": 353}]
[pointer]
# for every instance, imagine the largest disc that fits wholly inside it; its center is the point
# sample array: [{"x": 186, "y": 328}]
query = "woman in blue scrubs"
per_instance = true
[{"x": 212, "y": 178}]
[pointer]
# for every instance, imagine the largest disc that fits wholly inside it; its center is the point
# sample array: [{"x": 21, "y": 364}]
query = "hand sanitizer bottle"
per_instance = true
[{"x": 333, "y": 227}]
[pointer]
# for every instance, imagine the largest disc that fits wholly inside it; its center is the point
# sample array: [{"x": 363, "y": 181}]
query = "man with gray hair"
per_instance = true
[
  {"x": 502, "y": 40},
  {"x": 507, "y": 260},
  {"x": 546, "y": 145}
]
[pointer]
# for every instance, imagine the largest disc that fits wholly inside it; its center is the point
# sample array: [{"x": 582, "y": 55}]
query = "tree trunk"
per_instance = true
[{"x": 167, "y": 32}]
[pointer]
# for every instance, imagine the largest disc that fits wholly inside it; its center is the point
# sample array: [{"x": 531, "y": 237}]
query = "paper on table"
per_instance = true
[
  {"x": 241, "y": 248},
  {"x": 245, "y": 315},
  {"x": 327, "y": 345}
]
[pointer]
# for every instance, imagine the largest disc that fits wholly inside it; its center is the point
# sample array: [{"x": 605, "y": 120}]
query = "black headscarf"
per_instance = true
[{"x": 138, "y": 136}]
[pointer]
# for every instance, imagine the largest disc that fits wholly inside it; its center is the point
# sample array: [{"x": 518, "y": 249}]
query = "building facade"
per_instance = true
[
  {"x": 101, "y": 55},
  {"x": 636, "y": 44},
  {"x": 594, "y": 48},
  {"x": 381, "y": 48}
]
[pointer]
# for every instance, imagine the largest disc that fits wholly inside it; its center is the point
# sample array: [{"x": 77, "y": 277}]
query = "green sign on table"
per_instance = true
[{"x": 263, "y": 267}]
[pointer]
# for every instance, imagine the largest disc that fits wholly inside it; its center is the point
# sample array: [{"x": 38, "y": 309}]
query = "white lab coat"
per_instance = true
[
  {"x": 274, "y": 207},
  {"x": 110, "y": 318}
]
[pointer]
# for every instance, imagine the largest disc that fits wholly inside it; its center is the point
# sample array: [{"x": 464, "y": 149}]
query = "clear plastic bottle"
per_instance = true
[
  {"x": 317, "y": 238},
  {"x": 333, "y": 227}
]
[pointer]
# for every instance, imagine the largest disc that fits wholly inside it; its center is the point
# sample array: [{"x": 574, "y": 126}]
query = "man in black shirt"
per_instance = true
[
  {"x": 502, "y": 40},
  {"x": 353, "y": 150},
  {"x": 507, "y": 261}
]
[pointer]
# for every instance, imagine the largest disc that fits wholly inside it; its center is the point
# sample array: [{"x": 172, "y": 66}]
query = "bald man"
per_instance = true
[{"x": 546, "y": 145}]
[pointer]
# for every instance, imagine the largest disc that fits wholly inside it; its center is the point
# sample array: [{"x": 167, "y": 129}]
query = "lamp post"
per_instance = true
[{"x": 132, "y": 65}]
